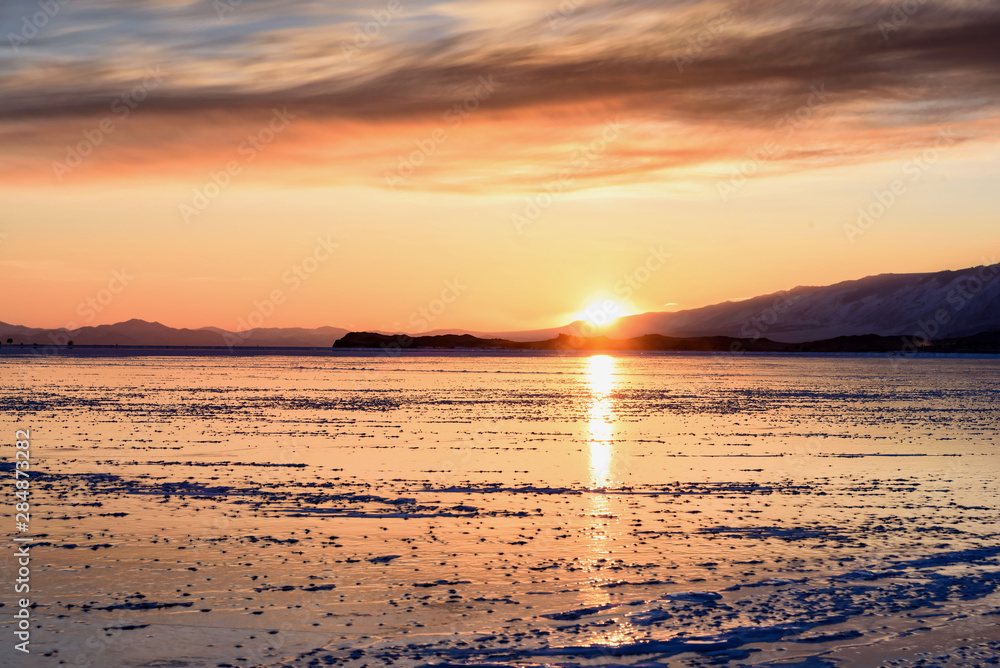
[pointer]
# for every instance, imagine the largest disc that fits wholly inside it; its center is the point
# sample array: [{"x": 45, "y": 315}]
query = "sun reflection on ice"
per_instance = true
[
  {"x": 601, "y": 382},
  {"x": 601, "y": 418}
]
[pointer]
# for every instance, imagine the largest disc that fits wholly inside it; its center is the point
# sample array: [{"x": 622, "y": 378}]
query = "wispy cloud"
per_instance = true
[{"x": 699, "y": 83}]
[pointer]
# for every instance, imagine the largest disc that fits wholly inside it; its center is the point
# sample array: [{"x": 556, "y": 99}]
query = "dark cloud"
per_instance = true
[
  {"x": 721, "y": 63},
  {"x": 731, "y": 71}
]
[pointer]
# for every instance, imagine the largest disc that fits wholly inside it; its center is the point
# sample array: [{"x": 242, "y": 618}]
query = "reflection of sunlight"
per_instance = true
[
  {"x": 603, "y": 525},
  {"x": 601, "y": 443},
  {"x": 623, "y": 634},
  {"x": 601, "y": 370},
  {"x": 601, "y": 418},
  {"x": 602, "y": 531}
]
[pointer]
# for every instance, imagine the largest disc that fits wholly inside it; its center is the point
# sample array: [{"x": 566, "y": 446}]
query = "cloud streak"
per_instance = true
[{"x": 697, "y": 83}]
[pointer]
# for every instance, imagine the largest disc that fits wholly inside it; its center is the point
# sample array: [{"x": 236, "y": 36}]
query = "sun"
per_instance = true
[{"x": 601, "y": 313}]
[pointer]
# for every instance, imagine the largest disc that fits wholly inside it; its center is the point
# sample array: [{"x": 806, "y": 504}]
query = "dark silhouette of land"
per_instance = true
[
  {"x": 988, "y": 343},
  {"x": 945, "y": 311}
]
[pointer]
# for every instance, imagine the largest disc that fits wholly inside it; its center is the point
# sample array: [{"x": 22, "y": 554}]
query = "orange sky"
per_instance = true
[{"x": 363, "y": 166}]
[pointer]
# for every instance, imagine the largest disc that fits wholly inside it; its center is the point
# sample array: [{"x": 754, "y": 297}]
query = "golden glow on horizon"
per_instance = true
[
  {"x": 212, "y": 272},
  {"x": 602, "y": 313},
  {"x": 448, "y": 149}
]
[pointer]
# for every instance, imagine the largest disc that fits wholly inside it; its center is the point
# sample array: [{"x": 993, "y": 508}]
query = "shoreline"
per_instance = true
[
  {"x": 379, "y": 353},
  {"x": 367, "y": 352}
]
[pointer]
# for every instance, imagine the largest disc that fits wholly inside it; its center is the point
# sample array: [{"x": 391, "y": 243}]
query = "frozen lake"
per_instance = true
[{"x": 353, "y": 510}]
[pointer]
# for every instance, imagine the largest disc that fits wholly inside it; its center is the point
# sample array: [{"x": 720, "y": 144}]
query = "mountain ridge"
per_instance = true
[
  {"x": 931, "y": 305},
  {"x": 948, "y": 304},
  {"x": 142, "y": 332}
]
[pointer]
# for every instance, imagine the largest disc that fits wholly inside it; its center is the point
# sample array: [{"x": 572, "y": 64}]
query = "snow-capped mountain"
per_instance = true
[{"x": 931, "y": 305}]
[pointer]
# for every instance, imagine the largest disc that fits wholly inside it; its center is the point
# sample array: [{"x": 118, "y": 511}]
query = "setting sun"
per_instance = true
[{"x": 602, "y": 312}]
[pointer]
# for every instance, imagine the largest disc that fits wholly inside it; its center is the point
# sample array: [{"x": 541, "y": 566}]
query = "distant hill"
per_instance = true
[
  {"x": 143, "y": 333},
  {"x": 946, "y": 304},
  {"x": 520, "y": 335},
  {"x": 935, "y": 306},
  {"x": 950, "y": 303}
]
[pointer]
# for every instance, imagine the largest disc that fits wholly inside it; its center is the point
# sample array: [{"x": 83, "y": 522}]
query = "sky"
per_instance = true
[{"x": 413, "y": 165}]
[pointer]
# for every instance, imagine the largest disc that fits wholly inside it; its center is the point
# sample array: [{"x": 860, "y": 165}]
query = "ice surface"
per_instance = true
[{"x": 675, "y": 511}]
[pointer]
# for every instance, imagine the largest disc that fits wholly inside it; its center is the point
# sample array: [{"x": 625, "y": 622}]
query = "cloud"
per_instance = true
[{"x": 698, "y": 84}]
